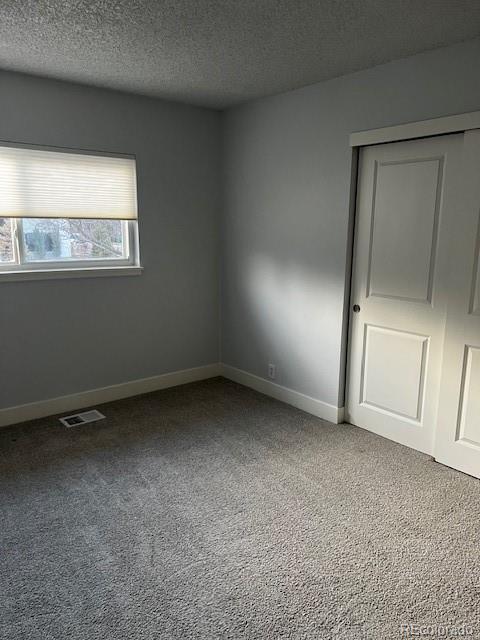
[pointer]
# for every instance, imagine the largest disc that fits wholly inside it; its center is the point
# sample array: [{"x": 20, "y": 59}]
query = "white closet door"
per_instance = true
[
  {"x": 405, "y": 206},
  {"x": 458, "y": 437}
]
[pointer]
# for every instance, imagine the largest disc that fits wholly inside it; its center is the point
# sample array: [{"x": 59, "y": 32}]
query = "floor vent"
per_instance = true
[{"x": 82, "y": 418}]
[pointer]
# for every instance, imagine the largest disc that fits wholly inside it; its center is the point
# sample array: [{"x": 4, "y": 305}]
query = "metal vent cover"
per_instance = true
[{"x": 84, "y": 417}]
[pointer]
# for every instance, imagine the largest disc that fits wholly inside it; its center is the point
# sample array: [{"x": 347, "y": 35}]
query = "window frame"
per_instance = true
[{"x": 21, "y": 269}]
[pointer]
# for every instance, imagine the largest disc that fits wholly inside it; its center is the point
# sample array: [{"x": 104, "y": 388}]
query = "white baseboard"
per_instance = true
[
  {"x": 295, "y": 398},
  {"x": 74, "y": 401},
  {"x": 43, "y": 408}
]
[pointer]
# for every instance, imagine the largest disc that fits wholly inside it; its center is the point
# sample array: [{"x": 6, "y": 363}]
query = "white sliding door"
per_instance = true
[
  {"x": 458, "y": 434},
  {"x": 406, "y": 207}
]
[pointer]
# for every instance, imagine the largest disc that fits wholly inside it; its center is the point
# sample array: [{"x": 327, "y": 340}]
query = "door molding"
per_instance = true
[{"x": 422, "y": 129}]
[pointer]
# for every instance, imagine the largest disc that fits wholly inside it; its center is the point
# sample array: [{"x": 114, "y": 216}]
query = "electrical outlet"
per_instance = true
[{"x": 272, "y": 371}]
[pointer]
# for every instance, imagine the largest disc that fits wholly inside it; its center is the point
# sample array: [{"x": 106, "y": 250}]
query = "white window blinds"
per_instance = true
[{"x": 55, "y": 184}]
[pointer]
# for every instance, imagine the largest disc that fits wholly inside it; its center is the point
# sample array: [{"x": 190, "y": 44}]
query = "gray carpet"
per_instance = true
[{"x": 210, "y": 511}]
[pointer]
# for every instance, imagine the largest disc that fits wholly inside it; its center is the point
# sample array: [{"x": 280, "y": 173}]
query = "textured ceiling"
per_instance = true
[{"x": 221, "y": 52}]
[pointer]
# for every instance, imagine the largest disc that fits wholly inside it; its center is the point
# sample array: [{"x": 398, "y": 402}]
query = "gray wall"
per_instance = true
[
  {"x": 284, "y": 228},
  {"x": 64, "y": 336},
  {"x": 287, "y": 167}
]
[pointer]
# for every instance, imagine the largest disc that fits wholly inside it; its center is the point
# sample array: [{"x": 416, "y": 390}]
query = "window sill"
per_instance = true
[{"x": 55, "y": 274}]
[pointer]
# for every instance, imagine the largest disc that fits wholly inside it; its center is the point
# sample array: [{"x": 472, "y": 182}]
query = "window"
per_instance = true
[
  {"x": 47, "y": 243},
  {"x": 64, "y": 211}
]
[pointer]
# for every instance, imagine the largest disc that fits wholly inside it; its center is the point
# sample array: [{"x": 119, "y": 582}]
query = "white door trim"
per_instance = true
[{"x": 422, "y": 129}]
